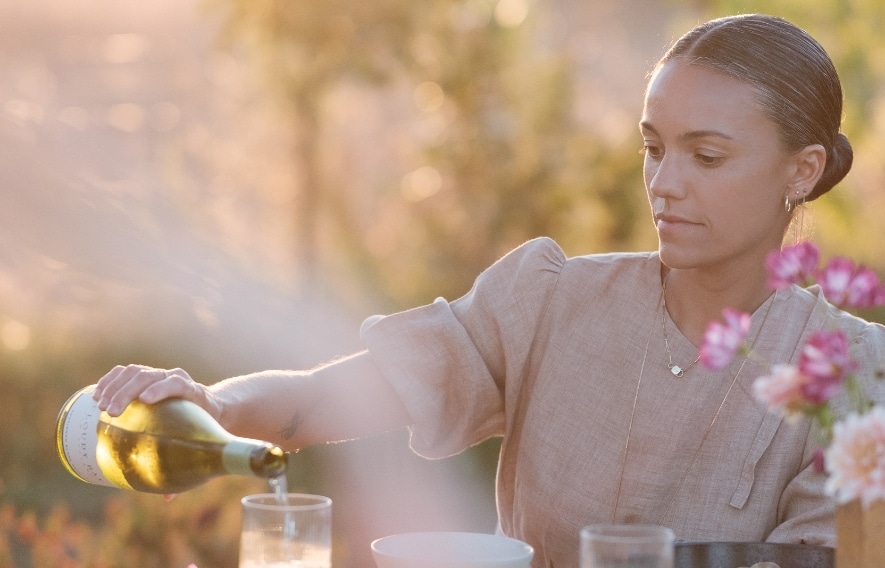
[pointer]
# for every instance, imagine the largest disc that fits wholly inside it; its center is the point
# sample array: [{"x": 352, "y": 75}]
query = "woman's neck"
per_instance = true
[{"x": 694, "y": 299}]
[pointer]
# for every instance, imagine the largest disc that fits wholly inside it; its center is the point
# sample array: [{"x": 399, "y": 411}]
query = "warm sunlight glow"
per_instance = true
[
  {"x": 127, "y": 117},
  {"x": 74, "y": 116},
  {"x": 15, "y": 335},
  {"x": 204, "y": 312},
  {"x": 511, "y": 13},
  {"x": 24, "y": 110},
  {"x": 164, "y": 116},
  {"x": 125, "y": 48},
  {"x": 474, "y": 14}
]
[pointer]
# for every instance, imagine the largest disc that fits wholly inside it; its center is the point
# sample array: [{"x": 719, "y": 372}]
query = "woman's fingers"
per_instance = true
[
  {"x": 174, "y": 383},
  {"x": 121, "y": 385},
  {"x": 115, "y": 390}
]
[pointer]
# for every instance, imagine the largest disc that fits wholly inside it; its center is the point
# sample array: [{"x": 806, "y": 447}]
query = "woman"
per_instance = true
[{"x": 587, "y": 366}]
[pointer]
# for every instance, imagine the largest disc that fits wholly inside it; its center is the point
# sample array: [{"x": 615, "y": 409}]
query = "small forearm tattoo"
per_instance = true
[{"x": 291, "y": 427}]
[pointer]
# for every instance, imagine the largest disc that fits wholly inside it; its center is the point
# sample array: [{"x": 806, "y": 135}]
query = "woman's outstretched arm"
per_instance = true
[{"x": 341, "y": 400}]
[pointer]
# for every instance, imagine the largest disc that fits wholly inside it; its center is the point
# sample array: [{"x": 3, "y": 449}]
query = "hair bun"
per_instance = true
[{"x": 839, "y": 162}]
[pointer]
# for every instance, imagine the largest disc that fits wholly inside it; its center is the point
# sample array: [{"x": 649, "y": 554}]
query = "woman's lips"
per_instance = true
[{"x": 673, "y": 222}]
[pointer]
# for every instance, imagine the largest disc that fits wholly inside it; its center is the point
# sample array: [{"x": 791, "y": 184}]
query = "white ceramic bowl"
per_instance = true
[{"x": 451, "y": 550}]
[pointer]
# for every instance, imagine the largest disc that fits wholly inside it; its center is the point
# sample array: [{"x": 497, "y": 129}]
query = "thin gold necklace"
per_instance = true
[
  {"x": 674, "y": 368},
  {"x": 706, "y": 432}
]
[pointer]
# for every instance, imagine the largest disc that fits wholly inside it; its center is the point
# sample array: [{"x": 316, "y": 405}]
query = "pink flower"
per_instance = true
[
  {"x": 850, "y": 286},
  {"x": 792, "y": 265},
  {"x": 856, "y": 458},
  {"x": 826, "y": 361},
  {"x": 783, "y": 391},
  {"x": 723, "y": 341}
]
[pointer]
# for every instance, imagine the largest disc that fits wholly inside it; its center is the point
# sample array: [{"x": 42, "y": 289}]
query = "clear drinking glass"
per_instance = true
[
  {"x": 290, "y": 532},
  {"x": 626, "y": 546}
]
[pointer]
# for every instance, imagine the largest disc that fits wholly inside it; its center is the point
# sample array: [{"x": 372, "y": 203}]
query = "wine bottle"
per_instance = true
[{"x": 167, "y": 447}]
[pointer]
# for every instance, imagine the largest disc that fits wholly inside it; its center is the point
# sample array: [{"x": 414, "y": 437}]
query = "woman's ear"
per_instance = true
[{"x": 808, "y": 167}]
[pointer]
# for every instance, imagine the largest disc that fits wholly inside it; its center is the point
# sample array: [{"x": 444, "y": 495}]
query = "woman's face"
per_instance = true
[{"x": 715, "y": 171}]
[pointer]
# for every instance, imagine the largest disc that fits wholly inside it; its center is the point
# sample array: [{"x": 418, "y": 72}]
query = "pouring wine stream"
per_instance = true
[{"x": 280, "y": 487}]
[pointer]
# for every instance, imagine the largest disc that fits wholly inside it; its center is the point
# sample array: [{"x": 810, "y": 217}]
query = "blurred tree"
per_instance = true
[
  {"x": 304, "y": 49},
  {"x": 505, "y": 159},
  {"x": 512, "y": 162}
]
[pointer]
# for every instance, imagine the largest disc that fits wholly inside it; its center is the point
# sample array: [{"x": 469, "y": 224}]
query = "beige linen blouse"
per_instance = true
[{"x": 547, "y": 351}]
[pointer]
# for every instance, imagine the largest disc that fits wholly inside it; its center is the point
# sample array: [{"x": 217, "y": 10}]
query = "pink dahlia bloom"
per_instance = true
[
  {"x": 792, "y": 265},
  {"x": 855, "y": 459},
  {"x": 722, "y": 341}
]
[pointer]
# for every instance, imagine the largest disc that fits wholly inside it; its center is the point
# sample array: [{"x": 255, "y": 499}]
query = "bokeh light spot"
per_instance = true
[
  {"x": 421, "y": 183},
  {"x": 429, "y": 96},
  {"x": 511, "y": 13}
]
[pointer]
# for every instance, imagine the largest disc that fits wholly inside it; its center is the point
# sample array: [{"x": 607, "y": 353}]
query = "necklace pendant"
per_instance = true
[{"x": 676, "y": 370}]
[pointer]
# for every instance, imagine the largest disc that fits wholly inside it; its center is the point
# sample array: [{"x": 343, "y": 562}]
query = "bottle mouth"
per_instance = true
[
  {"x": 272, "y": 462},
  {"x": 277, "y": 461}
]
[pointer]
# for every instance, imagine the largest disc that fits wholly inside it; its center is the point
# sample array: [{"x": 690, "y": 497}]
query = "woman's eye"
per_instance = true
[
  {"x": 707, "y": 160},
  {"x": 651, "y": 151}
]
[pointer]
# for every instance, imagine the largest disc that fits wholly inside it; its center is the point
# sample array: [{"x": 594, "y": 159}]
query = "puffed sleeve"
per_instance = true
[{"x": 453, "y": 363}]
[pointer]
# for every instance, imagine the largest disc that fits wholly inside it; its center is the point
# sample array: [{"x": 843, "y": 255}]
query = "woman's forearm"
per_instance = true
[{"x": 345, "y": 399}]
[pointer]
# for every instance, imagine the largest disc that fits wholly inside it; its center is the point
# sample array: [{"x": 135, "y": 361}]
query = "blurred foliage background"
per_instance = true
[{"x": 233, "y": 185}]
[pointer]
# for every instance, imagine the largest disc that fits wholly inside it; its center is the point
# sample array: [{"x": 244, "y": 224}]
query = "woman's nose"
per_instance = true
[{"x": 664, "y": 178}]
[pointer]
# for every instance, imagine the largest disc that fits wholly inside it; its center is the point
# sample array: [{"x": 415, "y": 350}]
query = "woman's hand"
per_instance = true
[{"x": 122, "y": 385}]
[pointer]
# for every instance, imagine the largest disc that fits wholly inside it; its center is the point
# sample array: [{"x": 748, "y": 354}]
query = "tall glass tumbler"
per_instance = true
[
  {"x": 626, "y": 546},
  {"x": 294, "y": 531}
]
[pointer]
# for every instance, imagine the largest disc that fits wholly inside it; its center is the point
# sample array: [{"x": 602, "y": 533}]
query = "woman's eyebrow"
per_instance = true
[{"x": 694, "y": 134}]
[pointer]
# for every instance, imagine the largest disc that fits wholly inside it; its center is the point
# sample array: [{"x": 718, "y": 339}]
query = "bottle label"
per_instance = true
[{"x": 78, "y": 438}]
